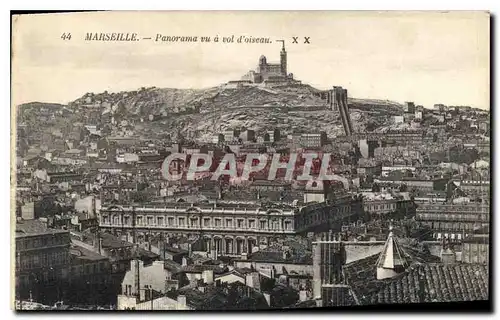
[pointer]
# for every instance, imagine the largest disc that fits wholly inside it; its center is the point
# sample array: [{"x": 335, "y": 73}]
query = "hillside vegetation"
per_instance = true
[{"x": 200, "y": 113}]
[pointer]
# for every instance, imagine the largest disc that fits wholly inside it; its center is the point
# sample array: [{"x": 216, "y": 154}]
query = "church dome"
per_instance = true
[{"x": 262, "y": 60}]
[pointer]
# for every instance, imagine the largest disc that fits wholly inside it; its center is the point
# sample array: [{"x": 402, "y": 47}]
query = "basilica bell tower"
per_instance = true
[{"x": 283, "y": 60}]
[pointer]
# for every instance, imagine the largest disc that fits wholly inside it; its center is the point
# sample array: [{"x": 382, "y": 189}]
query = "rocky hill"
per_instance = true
[{"x": 154, "y": 112}]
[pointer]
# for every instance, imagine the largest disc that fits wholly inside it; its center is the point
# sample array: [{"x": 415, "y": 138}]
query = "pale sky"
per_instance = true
[{"x": 423, "y": 57}]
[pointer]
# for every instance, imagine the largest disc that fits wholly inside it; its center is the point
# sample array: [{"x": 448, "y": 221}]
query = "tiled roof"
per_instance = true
[
  {"x": 172, "y": 265},
  {"x": 282, "y": 296},
  {"x": 199, "y": 245},
  {"x": 235, "y": 296},
  {"x": 238, "y": 272},
  {"x": 73, "y": 151},
  {"x": 63, "y": 174},
  {"x": 436, "y": 283},
  {"x": 243, "y": 271},
  {"x": 174, "y": 250},
  {"x": 277, "y": 256},
  {"x": 199, "y": 259},
  {"x": 79, "y": 253},
  {"x": 361, "y": 275},
  {"x": 338, "y": 296},
  {"x": 35, "y": 227},
  {"x": 32, "y": 157},
  {"x": 304, "y": 305},
  {"x": 110, "y": 241},
  {"x": 145, "y": 254},
  {"x": 199, "y": 268}
]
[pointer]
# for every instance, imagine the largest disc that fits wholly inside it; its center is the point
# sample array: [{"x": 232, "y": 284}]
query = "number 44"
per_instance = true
[{"x": 66, "y": 36}]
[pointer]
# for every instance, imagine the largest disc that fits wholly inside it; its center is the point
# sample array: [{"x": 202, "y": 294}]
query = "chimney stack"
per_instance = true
[
  {"x": 100, "y": 244},
  {"x": 448, "y": 255}
]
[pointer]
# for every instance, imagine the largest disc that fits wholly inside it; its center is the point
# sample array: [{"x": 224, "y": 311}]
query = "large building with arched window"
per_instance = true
[{"x": 229, "y": 227}]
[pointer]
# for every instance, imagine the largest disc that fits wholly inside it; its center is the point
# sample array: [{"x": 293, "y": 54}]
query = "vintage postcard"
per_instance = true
[{"x": 250, "y": 160}]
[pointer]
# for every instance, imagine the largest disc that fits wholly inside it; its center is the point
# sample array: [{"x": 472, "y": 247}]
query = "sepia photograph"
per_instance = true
[{"x": 250, "y": 160}]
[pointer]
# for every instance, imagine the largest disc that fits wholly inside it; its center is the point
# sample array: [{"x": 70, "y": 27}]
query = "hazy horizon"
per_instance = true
[{"x": 425, "y": 57}]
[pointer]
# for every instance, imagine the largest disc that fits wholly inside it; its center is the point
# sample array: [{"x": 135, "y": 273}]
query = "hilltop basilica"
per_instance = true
[{"x": 270, "y": 72}]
